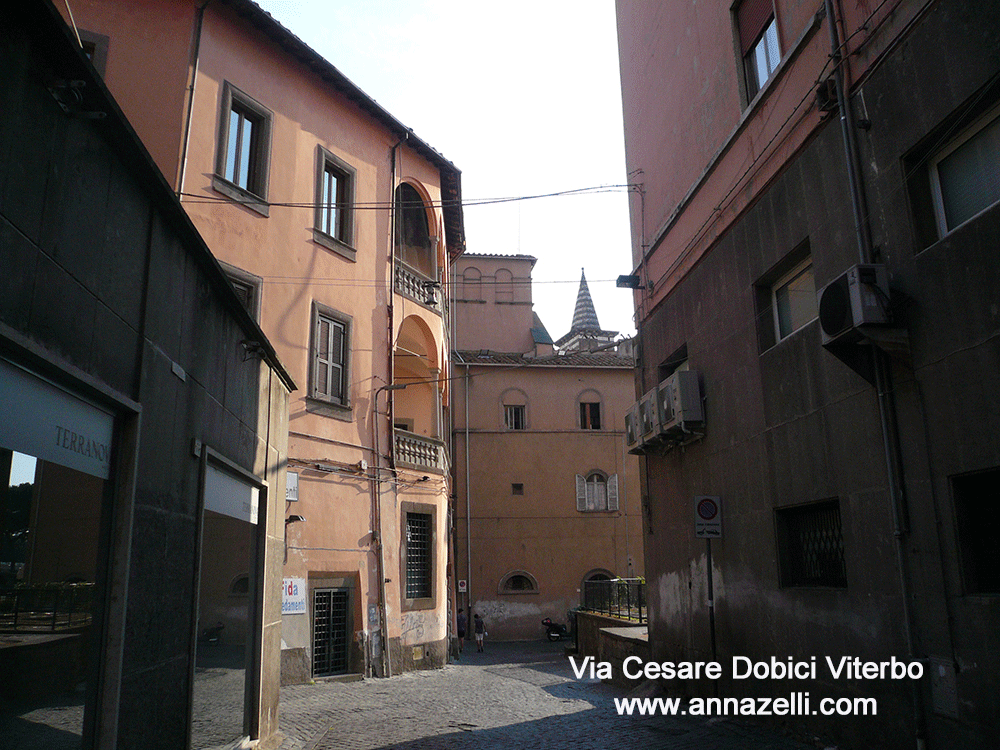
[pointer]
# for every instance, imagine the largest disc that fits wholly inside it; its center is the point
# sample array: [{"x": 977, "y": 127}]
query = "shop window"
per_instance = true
[
  {"x": 334, "y": 204},
  {"x": 977, "y": 514},
  {"x": 596, "y": 491},
  {"x": 758, "y": 36},
  {"x": 811, "y": 545},
  {"x": 331, "y": 356},
  {"x": 965, "y": 174},
  {"x": 244, "y": 150}
]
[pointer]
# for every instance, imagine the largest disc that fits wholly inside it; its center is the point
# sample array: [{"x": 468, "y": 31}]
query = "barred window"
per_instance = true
[
  {"x": 811, "y": 545},
  {"x": 418, "y": 556},
  {"x": 513, "y": 417}
]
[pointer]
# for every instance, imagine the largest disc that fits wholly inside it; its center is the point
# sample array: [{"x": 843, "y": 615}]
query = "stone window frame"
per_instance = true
[
  {"x": 508, "y": 577},
  {"x": 341, "y": 241},
  {"x": 423, "y": 603},
  {"x": 254, "y": 196}
]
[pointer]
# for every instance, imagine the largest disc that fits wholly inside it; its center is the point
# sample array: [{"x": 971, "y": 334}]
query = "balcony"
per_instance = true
[
  {"x": 418, "y": 287},
  {"x": 418, "y": 452}
]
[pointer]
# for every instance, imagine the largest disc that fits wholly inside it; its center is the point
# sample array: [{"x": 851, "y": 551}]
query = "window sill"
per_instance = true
[
  {"x": 412, "y": 605},
  {"x": 326, "y": 408},
  {"x": 241, "y": 196},
  {"x": 342, "y": 249}
]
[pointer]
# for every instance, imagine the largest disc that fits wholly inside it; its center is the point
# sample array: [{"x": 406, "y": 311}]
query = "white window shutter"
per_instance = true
[
  {"x": 613, "y": 492},
  {"x": 581, "y": 492}
]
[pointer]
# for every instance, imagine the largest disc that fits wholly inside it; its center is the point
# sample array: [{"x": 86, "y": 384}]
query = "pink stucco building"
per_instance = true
[{"x": 547, "y": 496}]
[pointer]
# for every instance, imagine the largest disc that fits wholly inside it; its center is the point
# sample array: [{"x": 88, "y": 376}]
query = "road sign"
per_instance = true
[
  {"x": 707, "y": 517},
  {"x": 462, "y": 586}
]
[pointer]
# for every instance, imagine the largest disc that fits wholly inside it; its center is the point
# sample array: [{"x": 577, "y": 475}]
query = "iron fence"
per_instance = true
[
  {"x": 46, "y": 607},
  {"x": 621, "y": 597}
]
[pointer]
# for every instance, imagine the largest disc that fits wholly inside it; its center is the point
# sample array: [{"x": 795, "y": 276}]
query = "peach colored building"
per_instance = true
[
  {"x": 547, "y": 496},
  {"x": 327, "y": 214}
]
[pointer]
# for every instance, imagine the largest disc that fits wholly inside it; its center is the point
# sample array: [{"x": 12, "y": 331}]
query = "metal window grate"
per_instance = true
[
  {"x": 329, "y": 632},
  {"x": 418, "y": 555},
  {"x": 812, "y": 546},
  {"x": 513, "y": 417}
]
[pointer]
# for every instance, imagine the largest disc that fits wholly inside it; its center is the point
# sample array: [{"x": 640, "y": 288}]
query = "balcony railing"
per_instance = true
[
  {"x": 417, "y": 286},
  {"x": 622, "y": 597},
  {"x": 419, "y": 452}
]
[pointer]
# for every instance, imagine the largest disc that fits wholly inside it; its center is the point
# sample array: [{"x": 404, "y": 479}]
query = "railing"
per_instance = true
[
  {"x": 418, "y": 452},
  {"x": 46, "y": 607},
  {"x": 622, "y": 597},
  {"x": 417, "y": 286}
]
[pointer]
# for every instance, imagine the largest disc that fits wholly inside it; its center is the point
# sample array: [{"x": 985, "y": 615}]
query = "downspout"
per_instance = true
[
  {"x": 883, "y": 376},
  {"x": 195, "y": 57},
  {"x": 383, "y": 614},
  {"x": 468, "y": 497}
]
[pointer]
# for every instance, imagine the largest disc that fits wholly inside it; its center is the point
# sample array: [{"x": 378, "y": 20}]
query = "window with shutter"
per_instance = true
[
  {"x": 613, "y": 492},
  {"x": 758, "y": 32},
  {"x": 596, "y": 492},
  {"x": 330, "y": 358},
  {"x": 581, "y": 492}
]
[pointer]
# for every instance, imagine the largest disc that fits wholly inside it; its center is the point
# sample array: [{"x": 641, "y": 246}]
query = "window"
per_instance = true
[
  {"x": 95, "y": 47},
  {"x": 965, "y": 175},
  {"x": 334, "y": 204},
  {"x": 504, "y": 286},
  {"x": 518, "y": 582},
  {"x": 244, "y": 150},
  {"x": 758, "y": 32},
  {"x": 596, "y": 492},
  {"x": 811, "y": 545},
  {"x": 247, "y": 287},
  {"x": 517, "y": 488},
  {"x": 413, "y": 237},
  {"x": 331, "y": 356},
  {"x": 513, "y": 417},
  {"x": 786, "y": 298},
  {"x": 472, "y": 285},
  {"x": 977, "y": 514},
  {"x": 419, "y": 535},
  {"x": 590, "y": 415},
  {"x": 794, "y": 300}
]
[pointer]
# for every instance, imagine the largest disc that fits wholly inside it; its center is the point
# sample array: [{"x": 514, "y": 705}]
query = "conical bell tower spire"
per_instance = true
[{"x": 584, "y": 315}]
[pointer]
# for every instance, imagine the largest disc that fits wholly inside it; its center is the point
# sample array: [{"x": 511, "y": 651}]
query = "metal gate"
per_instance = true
[{"x": 329, "y": 643}]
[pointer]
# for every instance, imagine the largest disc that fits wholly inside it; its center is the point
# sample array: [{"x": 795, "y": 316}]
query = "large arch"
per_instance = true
[{"x": 415, "y": 241}]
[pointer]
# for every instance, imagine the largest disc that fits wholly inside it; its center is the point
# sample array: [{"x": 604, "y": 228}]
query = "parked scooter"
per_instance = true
[{"x": 554, "y": 631}]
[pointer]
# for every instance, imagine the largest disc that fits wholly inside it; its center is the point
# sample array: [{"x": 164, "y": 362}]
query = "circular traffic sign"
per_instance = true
[{"x": 708, "y": 509}]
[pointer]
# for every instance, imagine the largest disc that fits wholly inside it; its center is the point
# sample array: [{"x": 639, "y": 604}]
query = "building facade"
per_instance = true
[
  {"x": 143, "y": 439},
  {"x": 814, "y": 227},
  {"x": 337, "y": 225},
  {"x": 546, "y": 493}
]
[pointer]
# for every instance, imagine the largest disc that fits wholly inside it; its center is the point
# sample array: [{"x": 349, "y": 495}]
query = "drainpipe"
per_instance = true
[
  {"x": 195, "y": 56},
  {"x": 883, "y": 376}
]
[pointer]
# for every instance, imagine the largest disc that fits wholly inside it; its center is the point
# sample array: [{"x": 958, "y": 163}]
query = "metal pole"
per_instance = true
[{"x": 711, "y": 609}]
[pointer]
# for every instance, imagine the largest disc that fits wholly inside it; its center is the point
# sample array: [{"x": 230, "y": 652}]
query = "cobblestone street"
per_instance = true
[{"x": 516, "y": 695}]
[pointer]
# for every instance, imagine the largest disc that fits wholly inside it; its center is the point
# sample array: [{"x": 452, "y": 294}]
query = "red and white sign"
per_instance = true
[{"x": 707, "y": 517}]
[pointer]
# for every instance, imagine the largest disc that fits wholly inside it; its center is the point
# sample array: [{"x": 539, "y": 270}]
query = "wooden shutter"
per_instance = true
[
  {"x": 753, "y": 16},
  {"x": 581, "y": 492},
  {"x": 613, "y": 492}
]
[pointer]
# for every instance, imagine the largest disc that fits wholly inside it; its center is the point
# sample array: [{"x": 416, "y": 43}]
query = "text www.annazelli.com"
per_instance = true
[{"x": 797, "y": 704}]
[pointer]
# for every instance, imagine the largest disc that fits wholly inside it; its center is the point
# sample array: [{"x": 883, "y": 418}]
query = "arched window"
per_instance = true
[
  {"x": 472, "y": 284},
  {"x": 504, "y": 285},
  {"x": 515, "y": 409},
  {"x": 413, "y": 237},
  {"x": 518, "y": 582},
  {"x": 596, "y": 491}
]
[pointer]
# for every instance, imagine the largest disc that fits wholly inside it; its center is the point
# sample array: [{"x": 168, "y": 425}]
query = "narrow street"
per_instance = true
[{"x": 515, "y": 695}]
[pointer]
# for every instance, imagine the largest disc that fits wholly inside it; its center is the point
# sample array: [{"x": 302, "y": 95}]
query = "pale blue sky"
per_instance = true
[
  {"x": 22, "y": 469},
  {"x": 524, "y": 98}
]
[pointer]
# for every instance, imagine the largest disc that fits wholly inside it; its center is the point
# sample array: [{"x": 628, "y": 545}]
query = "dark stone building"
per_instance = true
[
  {"x": 853, "y": 442},
  {"x": 143, "y": 420}
]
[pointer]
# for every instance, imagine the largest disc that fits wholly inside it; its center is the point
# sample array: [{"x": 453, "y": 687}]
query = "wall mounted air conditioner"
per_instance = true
[
  {"x": 679, "y": 402},
  {"x": 632, "y": 439},
  {"x": 649, "y": 420},
  {"x": 859, "y": 297}
]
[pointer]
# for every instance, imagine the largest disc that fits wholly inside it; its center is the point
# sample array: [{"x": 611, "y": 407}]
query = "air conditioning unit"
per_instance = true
[
  {"x": 649, "y": 420},
  {"x": 632, "y": 438},
  {"x": 859, "y": 297},
  {"x": 679, "y": 401}
]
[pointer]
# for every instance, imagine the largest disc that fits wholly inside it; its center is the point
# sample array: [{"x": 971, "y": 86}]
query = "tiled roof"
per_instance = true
[{"x": 575, "y": 359}]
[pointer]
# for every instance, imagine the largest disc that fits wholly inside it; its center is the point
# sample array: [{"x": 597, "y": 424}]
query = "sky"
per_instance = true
[{"x": 525, "y": 99}]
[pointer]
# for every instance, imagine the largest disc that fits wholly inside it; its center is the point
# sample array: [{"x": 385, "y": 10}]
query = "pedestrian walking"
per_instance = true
[
  {"x": 463, "y": 621},
  {"x": 480, "y": 626}
]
